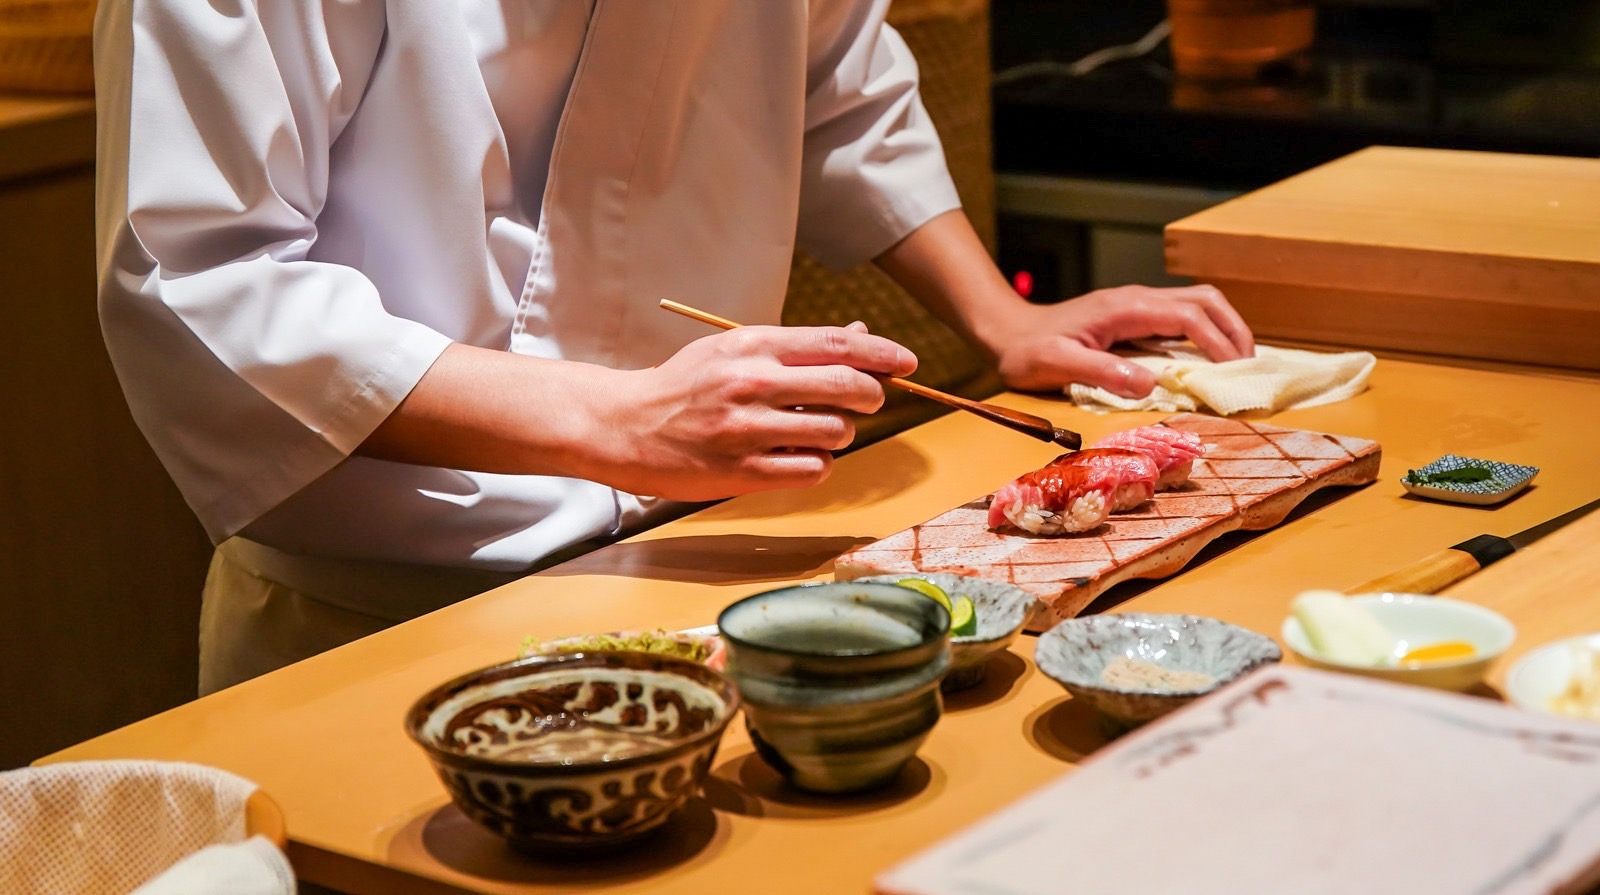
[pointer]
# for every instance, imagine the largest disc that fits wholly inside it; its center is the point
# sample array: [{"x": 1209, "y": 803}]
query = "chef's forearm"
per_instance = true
[
  {"x": 494, "y": 411},
  {"x": 945, "y": 266}
]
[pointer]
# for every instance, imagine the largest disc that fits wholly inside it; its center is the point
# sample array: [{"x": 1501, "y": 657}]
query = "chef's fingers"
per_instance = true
[
  {"x": 812, "y": 428},
  {"x": 802, "y": 346},
  {"x": 1174, "y": 315},
  {"x": 1076, "y": 362},
  {"x": 831, "y": 387},
  {"x": 1223, "y": 315},
  {"x": 788, "y": 468}
]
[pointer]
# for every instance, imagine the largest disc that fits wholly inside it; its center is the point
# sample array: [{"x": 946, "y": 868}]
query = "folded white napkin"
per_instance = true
[
  {"x": 252, "y": 867},
  {"x": 1275, "y": 379}
]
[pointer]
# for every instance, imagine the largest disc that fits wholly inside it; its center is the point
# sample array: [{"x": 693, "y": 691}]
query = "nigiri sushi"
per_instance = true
[
  {"x": 1053, "y": 500},
  {"x": 1133, "y": 474},
  {"x": 1173, "y": 450}
]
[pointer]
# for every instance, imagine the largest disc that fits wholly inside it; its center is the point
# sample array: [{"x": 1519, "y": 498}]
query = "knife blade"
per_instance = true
[{"x": 1437, "y": 572}]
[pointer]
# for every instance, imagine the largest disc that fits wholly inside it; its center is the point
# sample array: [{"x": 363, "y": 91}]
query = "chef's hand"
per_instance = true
[
  {"x": 1046, "y": 347},
  {"x": 752, "y": 409},
  {"x": 747, "y": 410}
]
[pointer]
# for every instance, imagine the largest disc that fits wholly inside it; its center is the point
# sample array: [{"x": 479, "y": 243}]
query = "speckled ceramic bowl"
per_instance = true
[
  {"x": 1158, "y": 657},
  {"x": 577, "y": 750},
  {"x": 1001, "y": 610}
]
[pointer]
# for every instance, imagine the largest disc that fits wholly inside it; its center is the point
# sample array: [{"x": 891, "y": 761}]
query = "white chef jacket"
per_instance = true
[{"x": 302, "y": 202}]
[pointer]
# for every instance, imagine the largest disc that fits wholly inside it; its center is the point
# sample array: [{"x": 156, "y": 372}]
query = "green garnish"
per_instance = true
[
  {"x": 963, "y": 614},
  {"x": 658, "y": 641},
  {"x": 1464, "y": 475},
  {"x": 963, "y": 618}
]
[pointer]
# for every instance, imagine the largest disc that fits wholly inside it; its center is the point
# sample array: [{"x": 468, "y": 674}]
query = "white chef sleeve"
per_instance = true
[
  {"x": 251, "y": 369},
  {"x": 873, "y": 167}
]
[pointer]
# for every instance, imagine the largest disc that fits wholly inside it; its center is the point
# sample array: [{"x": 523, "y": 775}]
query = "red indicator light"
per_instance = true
[{"x": 1022, "y": 281}]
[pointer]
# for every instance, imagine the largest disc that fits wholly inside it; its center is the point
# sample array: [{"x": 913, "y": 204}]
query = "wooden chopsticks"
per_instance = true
[{"x": 1026, "y": 423}]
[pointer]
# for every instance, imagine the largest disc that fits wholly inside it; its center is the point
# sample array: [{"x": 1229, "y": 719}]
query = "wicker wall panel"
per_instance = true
[{"x": 950, "y": 39}]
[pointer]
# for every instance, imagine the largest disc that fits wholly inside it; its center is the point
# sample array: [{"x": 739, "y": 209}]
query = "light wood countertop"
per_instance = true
[{"x": 366, "y": 814}]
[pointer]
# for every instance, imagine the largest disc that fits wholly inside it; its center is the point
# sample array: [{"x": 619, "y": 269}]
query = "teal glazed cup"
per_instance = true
[{"x": 840, "y": 680}]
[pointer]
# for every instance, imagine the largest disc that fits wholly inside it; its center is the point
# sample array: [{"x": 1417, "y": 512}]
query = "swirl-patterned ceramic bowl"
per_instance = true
[
  {"x": 840, "y": 681},
  {"x": 576, "y": 750},
  {"x": 1137, "y": 666},
  {"x": 1001, "y": 610}
]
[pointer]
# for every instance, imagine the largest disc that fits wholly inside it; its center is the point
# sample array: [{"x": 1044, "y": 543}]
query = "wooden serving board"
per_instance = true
[{"x": 1249, "y": 479}]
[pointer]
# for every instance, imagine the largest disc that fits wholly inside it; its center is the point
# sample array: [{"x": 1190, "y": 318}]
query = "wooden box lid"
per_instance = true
[{"x": 1466, "y": 254}]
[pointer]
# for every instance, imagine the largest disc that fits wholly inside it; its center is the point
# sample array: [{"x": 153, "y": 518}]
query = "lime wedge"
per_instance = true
[
  {"x": 963, "y": 618},
  {"x": 928, "y": 589}
]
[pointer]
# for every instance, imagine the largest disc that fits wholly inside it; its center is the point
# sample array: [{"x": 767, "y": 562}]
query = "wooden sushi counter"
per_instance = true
[{"x": 365, "y": 813}]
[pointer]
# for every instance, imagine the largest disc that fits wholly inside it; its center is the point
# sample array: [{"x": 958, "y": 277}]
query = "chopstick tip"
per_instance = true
[{"x": 1068, "y": 439}]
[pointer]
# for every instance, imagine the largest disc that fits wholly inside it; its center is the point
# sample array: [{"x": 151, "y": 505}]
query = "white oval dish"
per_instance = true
[
  {"x": 1418, "y": 620},
  {"x": 1545, "y": 673}
]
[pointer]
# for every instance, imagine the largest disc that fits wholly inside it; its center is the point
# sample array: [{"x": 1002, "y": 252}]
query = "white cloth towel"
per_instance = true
[
  {"x": 252, "y": 867},
  {"x": 1275, "y": 379}
]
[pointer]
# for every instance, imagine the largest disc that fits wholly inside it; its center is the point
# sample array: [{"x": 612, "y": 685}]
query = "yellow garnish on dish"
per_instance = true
[
  {"x": 963, "y": 617},
  {"x": 963, "y": 613},
  {"x": 928, "y": 589},
  {"x": 1444, "y": 651}
]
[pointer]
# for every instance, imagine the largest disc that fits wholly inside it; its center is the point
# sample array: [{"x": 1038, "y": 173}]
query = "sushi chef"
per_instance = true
[{"x": 380, "y": 279}]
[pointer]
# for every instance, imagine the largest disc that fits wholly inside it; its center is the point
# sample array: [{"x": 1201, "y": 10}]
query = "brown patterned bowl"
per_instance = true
[{"x": 577, "y": 750}]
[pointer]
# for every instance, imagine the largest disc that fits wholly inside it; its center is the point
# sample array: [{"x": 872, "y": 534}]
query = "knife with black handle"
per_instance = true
[{"x": 1442, "y": 569}]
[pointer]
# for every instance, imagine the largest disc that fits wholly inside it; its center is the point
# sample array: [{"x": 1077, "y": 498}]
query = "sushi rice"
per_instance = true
[{"x": 1045, "y": 502}]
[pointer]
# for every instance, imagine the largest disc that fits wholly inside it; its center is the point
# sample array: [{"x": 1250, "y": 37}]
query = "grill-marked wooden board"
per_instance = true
[{"x": 1250, "y": 477}]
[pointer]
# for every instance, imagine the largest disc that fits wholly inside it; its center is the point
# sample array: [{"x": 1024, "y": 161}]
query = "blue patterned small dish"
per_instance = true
[{"x": 1502, "y": 481}]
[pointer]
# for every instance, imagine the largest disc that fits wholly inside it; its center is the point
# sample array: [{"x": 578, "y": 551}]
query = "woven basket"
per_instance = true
[
  {"x": 950, "y": 39},
  {"x": 47, "y": 46}
]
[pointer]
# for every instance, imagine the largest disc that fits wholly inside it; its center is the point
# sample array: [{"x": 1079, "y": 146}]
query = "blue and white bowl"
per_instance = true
[{"x": 577, "y": 750}]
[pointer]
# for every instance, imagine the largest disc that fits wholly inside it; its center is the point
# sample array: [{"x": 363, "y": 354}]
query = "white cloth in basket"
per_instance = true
[
  {"x": 252, "y": 867},
  {"x": 115, "y": 827},
  {"x": 1275, "y": 379}
]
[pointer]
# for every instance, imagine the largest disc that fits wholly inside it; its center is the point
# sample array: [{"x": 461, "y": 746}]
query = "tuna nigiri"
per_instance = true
[
  {"x": 1053, "y": 500},
  {"x": 1132, "y": 473},
  {"x": 1173, "y": 450}
]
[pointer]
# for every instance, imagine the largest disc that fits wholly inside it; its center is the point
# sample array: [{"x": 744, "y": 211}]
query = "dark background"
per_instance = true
[{"x": 1457, "y": 74}]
